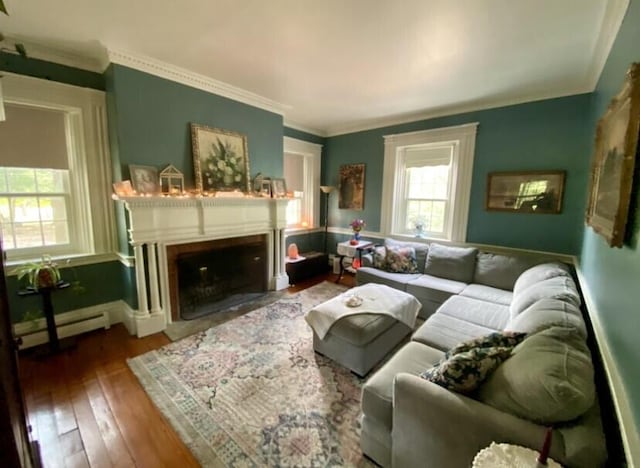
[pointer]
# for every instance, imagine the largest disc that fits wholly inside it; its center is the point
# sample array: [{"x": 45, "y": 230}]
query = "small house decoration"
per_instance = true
[{"x": 171, "y": 181}]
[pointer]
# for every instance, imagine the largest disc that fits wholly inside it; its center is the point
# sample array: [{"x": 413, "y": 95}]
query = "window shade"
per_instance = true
[
  {"x": 294, "y": 171},
  {"x": 424, "y": 156},
  {"x": 33, "y": 137}
]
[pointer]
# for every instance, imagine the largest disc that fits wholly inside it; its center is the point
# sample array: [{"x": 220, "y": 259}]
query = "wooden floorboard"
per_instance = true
[{"x": 87, "y": 409}]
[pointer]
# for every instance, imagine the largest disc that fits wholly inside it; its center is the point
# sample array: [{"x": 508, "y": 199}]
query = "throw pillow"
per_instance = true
[
  {"x": 465, "y": 371},
  {"x": 401, "y": 260},
  {"x": 507, "y": 339},
  {"x": 548, "y": 379},
  {"x": 454, "y": 263},
  {"x": 420, "y": 248},
  {"x": 379, "y": 258}
]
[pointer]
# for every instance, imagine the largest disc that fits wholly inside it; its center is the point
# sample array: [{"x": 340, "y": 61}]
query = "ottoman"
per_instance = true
[{"x": 362, "y": 339}]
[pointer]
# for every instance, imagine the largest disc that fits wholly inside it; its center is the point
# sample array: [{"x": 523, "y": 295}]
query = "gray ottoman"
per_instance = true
[{"x": 361, "y": 337}]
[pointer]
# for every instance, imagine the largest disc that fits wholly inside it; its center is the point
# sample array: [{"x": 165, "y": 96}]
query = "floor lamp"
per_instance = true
[{"x": 326, "y": 189}]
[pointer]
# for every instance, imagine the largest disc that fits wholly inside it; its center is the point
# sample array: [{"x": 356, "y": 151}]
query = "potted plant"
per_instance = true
[{"x": 42, "y": 274}]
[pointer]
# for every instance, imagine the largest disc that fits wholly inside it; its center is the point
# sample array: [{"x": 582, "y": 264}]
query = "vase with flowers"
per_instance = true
[{"x": 356, "y": 226}]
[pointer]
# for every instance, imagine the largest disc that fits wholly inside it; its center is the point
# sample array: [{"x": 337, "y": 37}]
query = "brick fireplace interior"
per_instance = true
[{"x": 210, "y": 276}]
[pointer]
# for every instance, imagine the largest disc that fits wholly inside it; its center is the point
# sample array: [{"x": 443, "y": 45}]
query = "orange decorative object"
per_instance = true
[
  {"x": 356, "y": 263},
  {"x": 292, "y": 251}
]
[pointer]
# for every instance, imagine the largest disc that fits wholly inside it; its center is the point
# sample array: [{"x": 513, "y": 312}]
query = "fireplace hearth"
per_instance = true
[{"x": 211, "y": 276}]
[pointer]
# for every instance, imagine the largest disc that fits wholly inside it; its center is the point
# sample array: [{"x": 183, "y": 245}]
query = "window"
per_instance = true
[
  {"x": 302, "y": 175},
  {"x": 54, "y": 172},
  {"x": 427, "y": 183}
]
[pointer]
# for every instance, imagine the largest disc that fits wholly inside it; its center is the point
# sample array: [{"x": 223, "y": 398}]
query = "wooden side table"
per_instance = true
[
  {"x": 47, "y": 307},
  {"x": 346, "y": 249}
]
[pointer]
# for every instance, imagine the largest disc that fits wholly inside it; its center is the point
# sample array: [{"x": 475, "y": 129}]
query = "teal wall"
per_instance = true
[
  {"x": 50, "y": 71},
  {"x": 612, "y": 274},
  {"x": 152, "y": 116},
  {"x": 549, "y": 134}
]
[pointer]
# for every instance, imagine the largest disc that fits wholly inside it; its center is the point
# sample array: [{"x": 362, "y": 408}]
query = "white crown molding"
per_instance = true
[
  {"x": 313, "y": 131},
  {"x": 189, "y": 78},
  {"x": 43, "y": 52},
  {"x": 615, "y": 11}
]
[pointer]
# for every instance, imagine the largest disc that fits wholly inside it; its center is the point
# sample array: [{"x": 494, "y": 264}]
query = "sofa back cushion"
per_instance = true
[
  {"x": 546, "y": 313},
  {"x": 500, "y": 271},
  {"x": 539, "y": 273},
  {"x": 421, "y": 250},
  {"x": 560, "y": 287},
  {"x": 548, "y": 379},
  {"x": 454, "y": 263}
]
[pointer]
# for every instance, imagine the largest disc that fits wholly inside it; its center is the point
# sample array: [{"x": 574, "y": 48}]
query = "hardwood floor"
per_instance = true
[{"x": 86, "y": 408}]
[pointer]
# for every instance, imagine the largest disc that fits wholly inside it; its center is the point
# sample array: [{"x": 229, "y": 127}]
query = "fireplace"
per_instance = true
[{"x": 206, "y": 277}]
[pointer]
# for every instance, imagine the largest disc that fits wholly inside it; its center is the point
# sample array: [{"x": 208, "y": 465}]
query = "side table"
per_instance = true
[
  {"x": 346, "y": 249},
  {"x": 47, "y": 307}
]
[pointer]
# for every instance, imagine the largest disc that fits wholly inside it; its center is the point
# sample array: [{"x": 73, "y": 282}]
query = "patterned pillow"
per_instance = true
[
  {"x": 505, "y": 339},
  {"x": 401, "y": 260},
  {"x": 380, "y": 258},
  {"x": 465, "y": 371}
]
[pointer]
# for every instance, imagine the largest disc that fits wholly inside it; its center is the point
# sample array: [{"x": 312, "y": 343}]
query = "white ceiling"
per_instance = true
[{"x": 332, "y": 66}]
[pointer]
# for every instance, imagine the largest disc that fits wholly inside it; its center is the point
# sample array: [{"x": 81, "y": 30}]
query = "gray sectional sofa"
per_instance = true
[{"x": 548, "y": 380}]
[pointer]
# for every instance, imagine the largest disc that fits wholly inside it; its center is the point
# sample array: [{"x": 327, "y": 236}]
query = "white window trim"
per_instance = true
[
  {"x": 89, "y": 154},
  {"x": 464, "y": 139},
  {"x": 312, "y": 154}
]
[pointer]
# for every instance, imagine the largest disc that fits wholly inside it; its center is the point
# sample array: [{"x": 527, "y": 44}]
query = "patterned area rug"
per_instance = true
[{"x": 251, "y": 391}]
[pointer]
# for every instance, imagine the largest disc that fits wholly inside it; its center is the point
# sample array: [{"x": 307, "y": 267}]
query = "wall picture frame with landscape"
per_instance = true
[
  {"x": 538, "y": 192},
  {"x": 614, "y": 160},
  {"x": 351, "y": 187},
  {"x": 220, "y": 159}
]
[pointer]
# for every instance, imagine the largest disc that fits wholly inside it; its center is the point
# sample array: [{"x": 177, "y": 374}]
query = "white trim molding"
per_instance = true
[
  {"x": 189, "y": 78},
  {"x": 311, "y": 154},
  {"x": 462, "y": 139},
  {"x": 629, "y": 431}
]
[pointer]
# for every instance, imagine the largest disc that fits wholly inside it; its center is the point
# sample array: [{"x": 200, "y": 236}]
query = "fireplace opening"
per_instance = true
[{"x": 211, "y": 276}]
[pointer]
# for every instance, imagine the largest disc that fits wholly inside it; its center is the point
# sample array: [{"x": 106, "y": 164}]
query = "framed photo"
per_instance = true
[
  {"x": 525, "y": 192},
  {"x": 278, "y": 188},
  {"x": 123, "y": 189},
  {"x": 265, "y": 187},
  {"x": 614, "y": 162},
  {"x": 144, "y": 179},
  {"x": 351, "y": 187},
  {"x": 220, "y": 159}
]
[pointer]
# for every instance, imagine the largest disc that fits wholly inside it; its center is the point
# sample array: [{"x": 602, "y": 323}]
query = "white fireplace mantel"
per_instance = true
[{"x": 157, "y": 222}]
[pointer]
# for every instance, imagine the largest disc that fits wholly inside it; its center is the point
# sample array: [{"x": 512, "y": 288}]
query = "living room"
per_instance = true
[{"x": 149, "y": 107}]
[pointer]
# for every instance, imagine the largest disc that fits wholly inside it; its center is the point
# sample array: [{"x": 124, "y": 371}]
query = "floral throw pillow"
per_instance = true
[
  {"x": 380, "y": 258},
  {"x": 465, "y": 371},
  {"x": 401, "y": 260},
  {"x": 506, "y": 339}
]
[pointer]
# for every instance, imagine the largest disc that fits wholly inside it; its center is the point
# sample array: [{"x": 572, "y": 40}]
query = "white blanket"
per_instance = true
[{"x": 376, "y": 299}]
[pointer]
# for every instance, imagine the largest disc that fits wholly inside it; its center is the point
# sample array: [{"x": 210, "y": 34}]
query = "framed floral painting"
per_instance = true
[
  {"x": 614, "y": 162},
  {"x": 220, "y": 159},
  {"x": 351, "y": 187}
]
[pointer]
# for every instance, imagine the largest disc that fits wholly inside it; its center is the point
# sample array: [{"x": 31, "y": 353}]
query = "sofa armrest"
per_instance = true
[{"x": 435, "y": 427}]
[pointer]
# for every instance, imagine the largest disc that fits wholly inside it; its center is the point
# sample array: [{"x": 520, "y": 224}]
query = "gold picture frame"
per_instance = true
[
  {"x": 613, "y": 163},
  {"x": 351, "y": 187},
  {"x": 220, "y": 159},
  {"x": 539, "y": 192}
]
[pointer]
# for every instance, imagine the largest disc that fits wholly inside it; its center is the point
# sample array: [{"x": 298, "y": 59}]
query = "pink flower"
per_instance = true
[{"x": 357, "y": 224}]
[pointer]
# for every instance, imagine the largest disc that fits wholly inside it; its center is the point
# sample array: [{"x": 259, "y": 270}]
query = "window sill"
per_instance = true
[
  {"x": 302, "y": 230},
  {"x": 65, "y": 261}
]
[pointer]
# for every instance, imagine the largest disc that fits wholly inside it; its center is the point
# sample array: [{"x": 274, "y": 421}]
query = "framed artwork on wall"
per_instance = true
[
  {"x": 525, "y": 192},
  {"x": 220, "y": 159},
  {"x": 614, "y": 161},
  {"x": 351, "y": 187},
  {"x": 144, "y": 179},
  {"x": 278, "y": 188}
]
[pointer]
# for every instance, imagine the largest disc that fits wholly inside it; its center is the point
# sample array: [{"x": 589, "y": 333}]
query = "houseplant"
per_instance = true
[{"x": 42, "y": 274}]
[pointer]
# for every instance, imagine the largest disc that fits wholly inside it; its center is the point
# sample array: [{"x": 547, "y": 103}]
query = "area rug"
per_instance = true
[
  {"x": 251, "y": 391},
  {"x": 183, "y": 328}
]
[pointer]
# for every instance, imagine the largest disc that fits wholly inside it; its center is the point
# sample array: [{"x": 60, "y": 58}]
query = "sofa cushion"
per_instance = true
[
  {"x": 432, "y": 288},
  {"x": 444, "y": 332},
  {"x": 539, "y": 273},
  {"x": 394, "y": 280},
  {"x": 454, "y": 263},
  {"x": 559, "y": 287},
  {"x": 499, "y": 271},
  {"x": 546, "y": 313},
  {"x": 463, "y": 372},
  {"x": 379, "y": 257},
  {"x": 486, "y": 314},
  {"x": 488, "y": 294},
  {"x": 421, "y": 250},
  {"x": 548, "y": 379},
  {"x": 412, "y": 358},
  {"x": 401, "y": 260}
]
